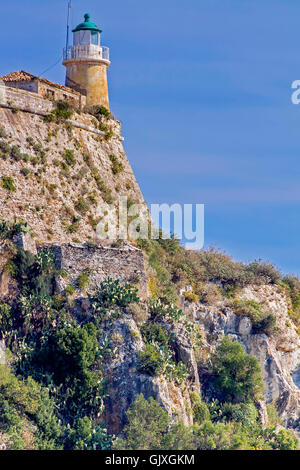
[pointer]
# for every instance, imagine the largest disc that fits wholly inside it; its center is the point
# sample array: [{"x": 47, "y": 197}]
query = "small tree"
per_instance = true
[
  {"x": 237, "y": 374},
  {"x": 147, "y": 427}
]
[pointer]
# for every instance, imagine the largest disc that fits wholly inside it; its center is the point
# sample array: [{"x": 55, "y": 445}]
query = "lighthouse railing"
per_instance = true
[{"x": 86, "y": 52}]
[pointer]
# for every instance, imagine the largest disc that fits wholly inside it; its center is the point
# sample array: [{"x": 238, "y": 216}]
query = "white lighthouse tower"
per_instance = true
[{"x": 86, "y": 62}]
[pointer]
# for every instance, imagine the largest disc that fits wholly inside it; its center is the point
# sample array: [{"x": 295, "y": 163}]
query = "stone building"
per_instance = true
[
  {"x": 49, "y": 90},
  {"x": 86, "y": 75}
]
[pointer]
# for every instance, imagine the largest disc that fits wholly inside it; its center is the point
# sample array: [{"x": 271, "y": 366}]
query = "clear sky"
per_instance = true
[{"x": 203, "y": 88}]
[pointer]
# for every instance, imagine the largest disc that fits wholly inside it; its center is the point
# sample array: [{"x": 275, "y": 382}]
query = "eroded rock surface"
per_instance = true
[{"x": 278, "y": 354}]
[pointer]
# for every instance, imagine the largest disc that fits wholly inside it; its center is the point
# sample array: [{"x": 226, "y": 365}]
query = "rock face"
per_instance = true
[
  {"x": 59, "y": 197},
  {"x": 125, "y": 382},
  {"x": 278, "y": 354}
]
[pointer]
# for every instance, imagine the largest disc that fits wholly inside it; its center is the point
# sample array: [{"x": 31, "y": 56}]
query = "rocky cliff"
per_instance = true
[{"x": 55, "y": 174}]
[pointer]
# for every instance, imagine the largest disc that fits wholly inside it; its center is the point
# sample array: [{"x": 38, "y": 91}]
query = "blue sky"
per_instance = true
[{"x": 203, "y": 88}]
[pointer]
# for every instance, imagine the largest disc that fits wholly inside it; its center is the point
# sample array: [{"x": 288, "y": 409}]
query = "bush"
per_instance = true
[
  {"x": 25, "y": 172},
  {"x": 6, "y": 319},
  {"x": 3, "y": 134},
  {"x": 83, "y": 280},
  {"x": 85, "y": 436},
  {"x": 62, "y": 112},
  {"x": 191, "y": 297},
  {"x": 147, "y": 427},
  {"x": 69, "y": 352},
  {"x": 35, "y": 273},
  {"x": 152, "y": 332},
  {"x": 111, "y": 293},
  {"x": 265, "y": 272},
  {"x": 200, "y": 409},
  {"x": 98, "y": 111},
  {"x": 27, "y": 412},
  {"x": 8, "y": 183},
  {"x": 262, "y": 322},
  {"x": 69, "y": 157},
  {"x": 249, "y": 308},
  {"x": 116, "y": 165},
  {"x": 245, "y": 413},
  {"x": 267, "y": 325},
  {"x": 16, "y": 153},
  {"x": 150, "y": 361},
  {"x": 208, "y": 294},
  {"x": 161, "y": 309},
  {"x": 237, "y": 374},
  {"x": 82, "y": 206},
  {"x": 4, "y": 147}
]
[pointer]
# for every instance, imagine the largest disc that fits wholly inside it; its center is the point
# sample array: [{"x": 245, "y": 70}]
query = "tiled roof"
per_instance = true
[{"x": 23, "y": 76}]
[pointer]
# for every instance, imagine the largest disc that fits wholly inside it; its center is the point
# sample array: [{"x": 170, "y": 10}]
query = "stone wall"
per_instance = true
[
  {"x": 126, "y": 264},
  {"x": 24, "y": 100},
  {"x": 47, "y": 191},
  {"x": 37, "y": 95}
]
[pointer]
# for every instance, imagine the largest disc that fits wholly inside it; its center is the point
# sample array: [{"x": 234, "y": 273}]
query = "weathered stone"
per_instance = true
[
  {"x": 47, "y": 199},
  {"x": 278, "y": 354},
  {"x": 25, "y": 242},
  {"x": 2, "y": 352},
  {"x": 125, "y": 382},
  {"x": 116, "y": 263}
]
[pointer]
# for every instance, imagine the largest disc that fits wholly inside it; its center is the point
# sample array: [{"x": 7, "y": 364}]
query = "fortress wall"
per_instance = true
[
  {"x": 24, "y": 100},
  {"x": 126, "y": 264}
]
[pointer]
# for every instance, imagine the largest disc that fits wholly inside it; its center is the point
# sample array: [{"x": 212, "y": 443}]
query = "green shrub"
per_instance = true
[
  {"x": 262, "y": 322},
  {"x": 70, "y": 290},
  {"x": 152, "y": 332},
  {"x": 116, "y": 165},
  {"x": 27, "y": 410},
  {"x": 70, "y": 351},
  {"x": 6, "y": 319},
  {"x": 191, "y": 297},
  {"x": 35, "y": 273},
  {"x": 73, "y": 228},
  {"x": 4, "y": 147},
  {"x": 150, "y": 361},
  {"x": 83, "y": 280},
  {"x": 69, "y": 157},
  {"x": 8, "y": 183},
  {"x": 9, "y": 229},
  {"x": 208, "y": 294},
  {"x": 161, "y": 309},
  {"x": 267, "y": 325},
  {"x": 25, "y": 172},
  {"x": 109, "y": 300},
  {"x": 15, "y": 153},
  {"x": 82, "y": 206},
  {"x": 3, "y": 134},
  {"x": 147, "y": 427},
  {"x": 62, "y": 112},
  {"x": 237, "y": 374},
  {"x": 86, "y": 436},
  {"x": 98, "y": 111},
  {"x": 245, "y": 413},
  {"x": 250, "y": 308},
  {"x": 266, "y": 272},
  {"x": 200, "y": 409}
]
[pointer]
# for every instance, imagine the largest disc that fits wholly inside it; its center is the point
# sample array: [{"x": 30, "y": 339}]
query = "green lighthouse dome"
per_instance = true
[{"x": 87, "y": 25}]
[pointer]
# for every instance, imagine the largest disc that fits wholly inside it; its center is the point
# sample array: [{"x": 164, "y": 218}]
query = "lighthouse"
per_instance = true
[{"x": 86, "y": 63}]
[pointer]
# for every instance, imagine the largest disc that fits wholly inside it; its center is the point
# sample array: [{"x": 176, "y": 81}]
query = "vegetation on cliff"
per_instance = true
[{"x": 53, "y": 390}]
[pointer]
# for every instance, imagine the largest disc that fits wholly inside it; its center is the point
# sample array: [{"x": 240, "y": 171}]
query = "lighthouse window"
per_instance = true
[{"x": 95, "y": 38}]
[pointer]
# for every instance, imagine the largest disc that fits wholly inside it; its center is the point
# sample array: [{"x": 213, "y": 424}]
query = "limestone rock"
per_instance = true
[
  {"x": 125, "y": 382},
  {"x": 278, "y": 354}
]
